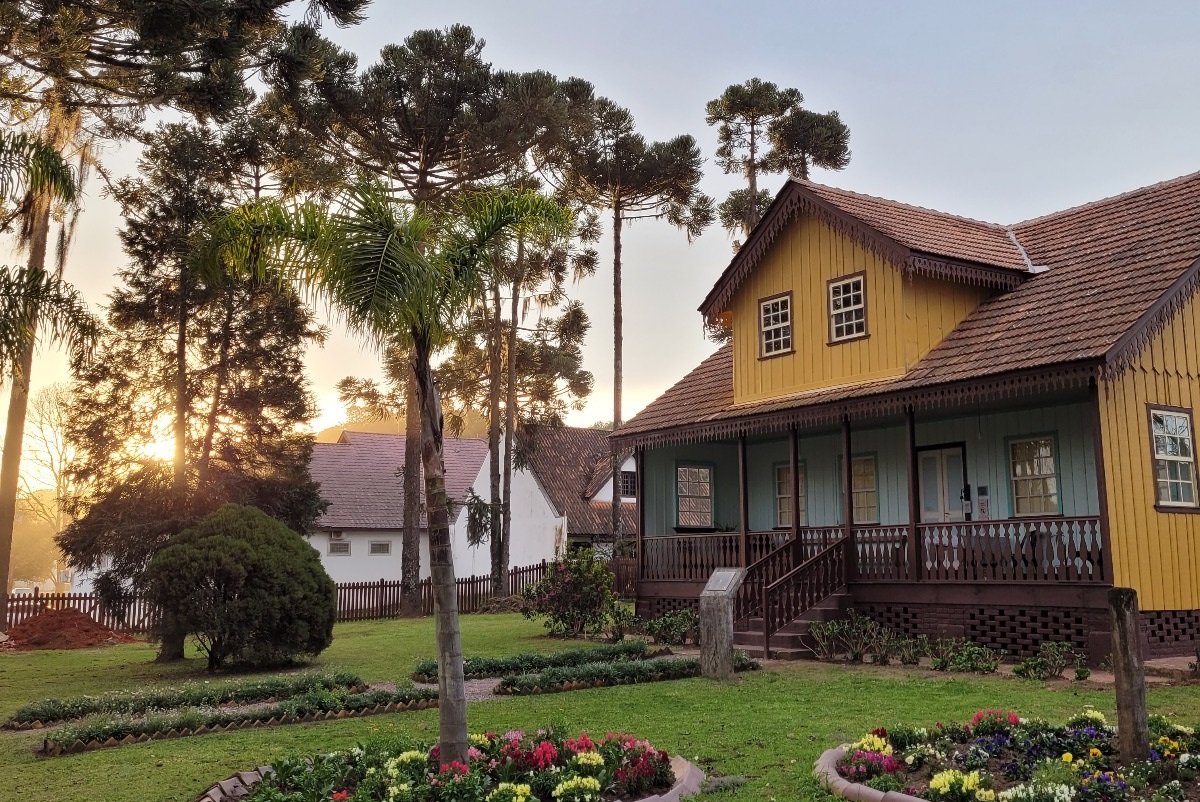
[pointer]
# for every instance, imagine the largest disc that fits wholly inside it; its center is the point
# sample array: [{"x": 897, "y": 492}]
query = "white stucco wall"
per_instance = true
[
  {"x": 537, "y": 532},
  {"x": 362, "y": 566},
  {"x": 606, "y": 492}
]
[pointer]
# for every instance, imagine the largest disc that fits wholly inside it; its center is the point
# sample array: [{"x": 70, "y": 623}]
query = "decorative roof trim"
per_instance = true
[
  {"x": 791, "y": 200},
  {"x": 954, "y": 270},
  {"x": 1125, "y": 351},
  {"x": 969, "y": 391}
]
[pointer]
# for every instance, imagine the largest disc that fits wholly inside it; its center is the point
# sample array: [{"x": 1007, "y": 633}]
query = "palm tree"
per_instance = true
[
  {"x": 386, "y": 268},
  {"x": 29, "y": 167}
]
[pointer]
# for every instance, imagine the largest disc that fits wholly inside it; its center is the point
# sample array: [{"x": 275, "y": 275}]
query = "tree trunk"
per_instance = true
[
  {"x": 618, "y": 343},
  {"x": 510, "y": 410},
  {"x": 173, "y": 636},
  {"x": 181, "y": 400},
  {"x": 495, "y": 387},
  {"x": 210, "y": 427},
  {"x": 410, "y": 544},
  {"x": 18, "y": 406},
  {"x": 752, "y": 182},
  {"x": 452, "y": 696}
]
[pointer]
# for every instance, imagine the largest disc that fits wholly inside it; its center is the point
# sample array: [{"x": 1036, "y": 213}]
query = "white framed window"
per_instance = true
[
  {"x": 379, "y": 548},
  {"x": 1174, "y": 457},
  {"x": 1034, "y": 476},
  {"x": 339, "y": 548},
  {"x": 847, "y": 308},
  {"x": 864, "y": 490},
  {"x": 693, "y": 495},
  {"x": 775, "y": 325},
  {"x": 783, "y": 495}
]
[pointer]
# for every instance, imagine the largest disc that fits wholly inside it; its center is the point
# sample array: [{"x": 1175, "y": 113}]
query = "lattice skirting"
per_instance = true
[
  {"x": 1018, "y": 630},
  {"x": 653, "y": 607},
  {"x": 1167, "y": 633}
]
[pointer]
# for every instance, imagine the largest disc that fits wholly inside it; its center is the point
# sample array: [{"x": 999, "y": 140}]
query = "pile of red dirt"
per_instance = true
[{"x": 62, "y": 629}]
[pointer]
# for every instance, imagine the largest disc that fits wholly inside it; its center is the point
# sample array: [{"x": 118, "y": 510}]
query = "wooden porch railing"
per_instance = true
[
  {"x": 801, "y": 589},
  {"x": 881, "y": 553},
  {"x": 1015, "y": 550},
  {"x": 688, "y": 557}
]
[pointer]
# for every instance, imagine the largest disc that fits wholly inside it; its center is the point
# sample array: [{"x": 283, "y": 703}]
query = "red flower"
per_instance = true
[{"x": 340, "y": 796}]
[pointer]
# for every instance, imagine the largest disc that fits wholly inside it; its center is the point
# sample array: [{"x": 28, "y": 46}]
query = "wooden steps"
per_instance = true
[{"x": 792, "y": 642}]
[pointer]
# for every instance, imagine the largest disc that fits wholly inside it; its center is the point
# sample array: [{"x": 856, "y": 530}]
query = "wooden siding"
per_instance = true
[
  {"x": 1156, "y": 553},
  {"x": 906, "y": 316}
]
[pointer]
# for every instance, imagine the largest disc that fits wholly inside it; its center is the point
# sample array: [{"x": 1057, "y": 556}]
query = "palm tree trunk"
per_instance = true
[
  {"x": 495, "y": 371},
  {"x": 510, "y": 406},
  {"x": 618, "y": 344},
  {"x": 210, "y": 428},
  {"x": 410, "y": 544},
  {"x": 18, "y": 407},
  {"x": 452, "y": 705},
  {"x": 181, "y": 400}
]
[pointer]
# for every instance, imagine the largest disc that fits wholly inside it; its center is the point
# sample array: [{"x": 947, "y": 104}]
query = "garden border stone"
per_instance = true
[
  {"x": 825, "y": 770},
  {"x": 688, "y": 779}
]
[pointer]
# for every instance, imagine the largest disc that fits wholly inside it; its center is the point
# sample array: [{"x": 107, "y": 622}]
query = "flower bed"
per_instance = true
[
  {"x": 600, "y": 675},
  {"x": 513, "y": 767},
  {"x": 49, "y": 711},
  {"x": 319, "y": 704},
  {"x": 999, "y": 756},
  {"x": 478, "y": 667}
]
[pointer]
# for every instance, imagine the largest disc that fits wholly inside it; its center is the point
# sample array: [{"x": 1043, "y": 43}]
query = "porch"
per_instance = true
[{"x": 993, "y": 508}]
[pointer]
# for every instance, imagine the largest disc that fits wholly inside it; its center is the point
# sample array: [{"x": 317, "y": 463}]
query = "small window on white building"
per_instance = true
[
  {"x": 847, "y": 308},
  {"x": 628, "y": 484},
  {"x": 379, "y": 548},
  {"x": 339, "y": 548},
  {"x": 775, "y": 325},
  {"x": 1174, "y": 457}
]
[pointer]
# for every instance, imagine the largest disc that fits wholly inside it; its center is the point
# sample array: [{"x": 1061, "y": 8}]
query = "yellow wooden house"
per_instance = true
[{"x": 954, "y": 426}]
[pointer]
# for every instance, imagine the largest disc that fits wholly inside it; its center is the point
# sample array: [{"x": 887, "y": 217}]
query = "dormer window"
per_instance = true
[
  {"x": 847, "y": 308},
  {"x": 775, "y": 325}
]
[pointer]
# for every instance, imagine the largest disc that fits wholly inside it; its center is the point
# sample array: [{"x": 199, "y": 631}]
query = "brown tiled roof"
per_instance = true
[
  {"x": 360, "y": 478},
  {"x": 565, "y": 460},
  {"x": 927, "y": 230},
  {"x": 1104, "y": 276}
]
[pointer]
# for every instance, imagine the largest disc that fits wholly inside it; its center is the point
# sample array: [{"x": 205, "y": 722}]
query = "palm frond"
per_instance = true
[
  {"x": 30, "y": 300},
  {"x": 27, "y": 164}
]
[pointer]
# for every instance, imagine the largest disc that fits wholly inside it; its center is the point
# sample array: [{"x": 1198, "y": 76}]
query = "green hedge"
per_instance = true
[
  {"x": 48, "y": 711},
  {"x": 603, "y": 674},
  {"x": 475, "y": 667},
  {"x": 184, "y": 721}
]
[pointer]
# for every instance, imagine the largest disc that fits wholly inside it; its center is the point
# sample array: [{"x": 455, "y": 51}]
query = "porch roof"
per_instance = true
[{"x": 1108, "y": 275}]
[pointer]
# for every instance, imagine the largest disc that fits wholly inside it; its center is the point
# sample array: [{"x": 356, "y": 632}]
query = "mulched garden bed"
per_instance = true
[{"x": 63, "y": 629}]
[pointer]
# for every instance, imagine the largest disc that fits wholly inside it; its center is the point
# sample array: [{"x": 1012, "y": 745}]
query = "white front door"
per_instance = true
[{"x": 940, "y": 476}]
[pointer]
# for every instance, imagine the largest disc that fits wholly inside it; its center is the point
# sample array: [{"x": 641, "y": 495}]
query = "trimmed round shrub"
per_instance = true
[{"x": 247, "y": 588}]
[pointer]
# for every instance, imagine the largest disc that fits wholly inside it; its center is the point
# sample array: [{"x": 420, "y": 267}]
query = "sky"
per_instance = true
[{"x": 997, "y": 111}]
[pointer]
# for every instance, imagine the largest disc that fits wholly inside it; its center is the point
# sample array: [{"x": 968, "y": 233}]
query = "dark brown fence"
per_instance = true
[{"x": 356, "y": 601}]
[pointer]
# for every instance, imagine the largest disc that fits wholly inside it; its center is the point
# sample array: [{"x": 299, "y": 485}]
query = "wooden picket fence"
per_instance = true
[{"x": 356, "y": 601}]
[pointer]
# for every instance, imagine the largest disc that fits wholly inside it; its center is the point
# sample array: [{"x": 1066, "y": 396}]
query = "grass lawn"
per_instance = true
[{"x": 768, "y": 726}]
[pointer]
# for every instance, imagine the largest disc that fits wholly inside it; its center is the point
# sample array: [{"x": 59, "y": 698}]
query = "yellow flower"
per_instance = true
[
  {"x": 1068, "y": 757},
  {"x": 985, "y": 795},
  {"x": 589, "y": 759},
  {"x": 1094, "y": 752},
  {"x": 478, "y": 739}
]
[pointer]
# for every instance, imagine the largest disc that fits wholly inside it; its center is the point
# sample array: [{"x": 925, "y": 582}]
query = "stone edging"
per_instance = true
[
  {"x": 825, "y": 770},
  {"x": 688, "y": 779}
]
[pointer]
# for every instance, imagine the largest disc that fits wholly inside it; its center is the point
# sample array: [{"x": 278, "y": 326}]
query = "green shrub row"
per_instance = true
[
  {"x": 1051, "y": 660},
  {"x": 197, "y": 694},
  {"x": 101, "y": 728},
  {"x": 603, "y": 674},
  {"x": 475, "y": 667}
]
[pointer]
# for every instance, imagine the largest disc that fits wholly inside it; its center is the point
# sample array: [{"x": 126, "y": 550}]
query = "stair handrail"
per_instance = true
[
  {"x": 749, "y": 596},
  {"x": 835, "y": 556}
]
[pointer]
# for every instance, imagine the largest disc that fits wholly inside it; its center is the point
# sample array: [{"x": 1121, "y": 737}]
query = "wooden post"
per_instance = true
[
  {"x": 848, "y": 501},
  {"x": 743, "y": 504},
  {"x": 1133, "y": 732},
  {"x": 640, "y": 505},
  {"x": 915, "y": 557},
  {"x": 794, "y": 467},
  {"x": 1101, "y": 484}
]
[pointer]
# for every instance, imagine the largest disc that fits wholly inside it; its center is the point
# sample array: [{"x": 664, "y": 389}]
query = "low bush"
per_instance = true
[
  {"x": 575, "y": 597},
  {"x": 246, "y": 587},
  {"x": 101, "y": 728},
  {"x": 48, "y": 711},
  {"x": 603, "y": 674},
  {"x": 961, "y": 655},
  {"x": 858, "y": 635},
  {"x": 475, "y": 667},
  {"x": 827, "y": 638},
  {"x": 1051, "y": 661},
  {"x": 673, "y": 628}
]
